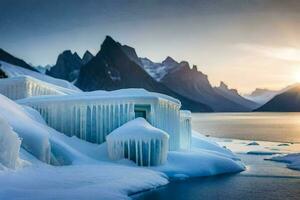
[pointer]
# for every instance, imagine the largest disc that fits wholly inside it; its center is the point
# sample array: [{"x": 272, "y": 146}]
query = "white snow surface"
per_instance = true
[
  {"x": 13, "y": 71},
  {"x": 9, "y": 146},
  {"x": 132, "y": 93},
  {"x": 84, "y": 170}
]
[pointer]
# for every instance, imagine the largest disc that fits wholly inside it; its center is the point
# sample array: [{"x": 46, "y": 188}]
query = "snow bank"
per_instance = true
[
  {"x": 102, "y": 180},
  {"x": 25, "y": 86},
  {"x": 13, "y": 71},
  {"x": 293, "y": 160},
  {"x": 9, "y": 145},
  {"x": 198, "y": 163},
  {"x": 206, "y": 158},
  {"x": 140, "y": 142}
]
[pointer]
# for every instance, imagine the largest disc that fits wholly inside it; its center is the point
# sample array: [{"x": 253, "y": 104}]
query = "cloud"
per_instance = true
[{"x": 278, "y": 52}]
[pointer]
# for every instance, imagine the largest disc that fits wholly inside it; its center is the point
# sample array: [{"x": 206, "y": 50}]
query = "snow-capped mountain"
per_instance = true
[
  {"x": 158, "y": 70},
  {"x": 233, "y": 95},
  {"x": 117, "y": 66}
]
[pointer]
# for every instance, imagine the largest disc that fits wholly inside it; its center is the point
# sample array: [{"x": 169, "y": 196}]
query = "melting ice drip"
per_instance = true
[
  {"x": 140, "y": 142},
  {"x": 92, "y": 116}
]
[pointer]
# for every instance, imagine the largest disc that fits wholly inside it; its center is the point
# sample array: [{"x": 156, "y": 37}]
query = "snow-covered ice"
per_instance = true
[
  {"x": 14, "y": 71},
  {"x": 93, "y": 115},
  {"x": 25, "y": 86},
  {"x": 137, "y": 140},
  {"x": 292, "y": 159},
  {"x": 9, "y": 146}
]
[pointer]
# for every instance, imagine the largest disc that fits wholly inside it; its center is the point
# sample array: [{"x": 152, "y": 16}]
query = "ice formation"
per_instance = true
[
  {"x": 292, "y": 159},
  {"x": 13, "y": 71},
  {"x": 25, "y": 86},
  {"x": 185, "y": 129},
  {"x": 9, "y": 145},
  {"x": 38, "y": 139},
  {"x": 137, "y": 140},
  {"x": 93, "y": 115},
  {"x": 34, "y": 139}
]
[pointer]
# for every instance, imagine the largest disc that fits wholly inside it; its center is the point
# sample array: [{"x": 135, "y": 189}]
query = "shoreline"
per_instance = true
[{"x": 259, "y": 173}]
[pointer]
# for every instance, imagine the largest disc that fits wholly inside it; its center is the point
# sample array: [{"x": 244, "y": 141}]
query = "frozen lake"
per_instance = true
[{"x": 280, "y": 127}]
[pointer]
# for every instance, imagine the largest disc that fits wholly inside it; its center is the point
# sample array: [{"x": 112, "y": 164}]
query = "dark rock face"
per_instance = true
[
  {"x": 193, "y": 84},
  {"x": 116, "y": 67},
  {"x": 87, "y": 57},
  {"x": 67, "y": 66},
  {"x": 2, "y": 74},
  {"x": 6, "y": 57},
  {"x": 233, "y": 95},
  {"x": 288, "y": 101}
]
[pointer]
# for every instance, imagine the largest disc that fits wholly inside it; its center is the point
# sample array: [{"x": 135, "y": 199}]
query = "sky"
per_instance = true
[{"x": 247, "y": 44}]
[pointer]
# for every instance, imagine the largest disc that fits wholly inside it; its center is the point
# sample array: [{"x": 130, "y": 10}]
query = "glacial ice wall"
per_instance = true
[
  {"x": 92, "y": 116},
  {"x": 140, "y": 142},
  {"x": 9, "y": 145},
  {"x": 185, "y": 129},
  {"x": 25, "y": 86}
]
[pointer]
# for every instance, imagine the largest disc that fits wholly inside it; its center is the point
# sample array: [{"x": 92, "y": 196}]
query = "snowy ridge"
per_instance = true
[
  {"x": 13, "y": 70},
  {"x": 158, "y": 70}
]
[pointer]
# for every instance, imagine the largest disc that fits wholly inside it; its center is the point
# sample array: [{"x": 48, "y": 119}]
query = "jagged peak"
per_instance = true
[
  {"x": 223, "y": 85},
  {"x": 195, "y": 68},
  {"x": 87, "y": 52}
]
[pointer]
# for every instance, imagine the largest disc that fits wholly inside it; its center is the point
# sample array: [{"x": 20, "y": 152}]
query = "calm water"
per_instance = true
[
  {"x": 280, "y": 127},
  {"x": 263, "y": 180}
]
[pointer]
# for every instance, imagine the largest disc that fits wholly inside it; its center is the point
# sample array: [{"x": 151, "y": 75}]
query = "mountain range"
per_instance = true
[{"x": 118, "y": 66}]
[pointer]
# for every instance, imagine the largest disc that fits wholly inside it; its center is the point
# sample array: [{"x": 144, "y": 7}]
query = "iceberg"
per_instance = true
[{"x": 137, "y": 140}]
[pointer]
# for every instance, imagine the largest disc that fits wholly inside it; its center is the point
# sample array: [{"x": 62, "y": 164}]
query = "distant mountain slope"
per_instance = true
[
  {"x": 261, "y": 96},
  {"x": 117, "y": 66},
  {"x": 233, "y": 95},
  {"x": 288, "y": 101},
  {"x": 193, "y": 84},
  {"x": 6, "y": 57}
]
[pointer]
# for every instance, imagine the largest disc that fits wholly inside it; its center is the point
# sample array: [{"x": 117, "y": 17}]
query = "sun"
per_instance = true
[{"x": 297, "y": 77}]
